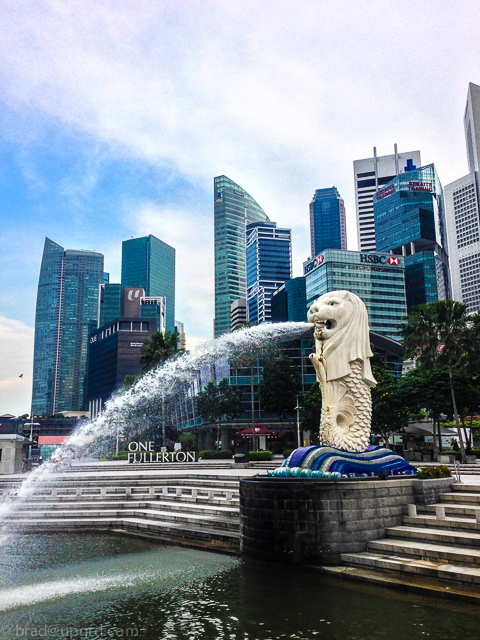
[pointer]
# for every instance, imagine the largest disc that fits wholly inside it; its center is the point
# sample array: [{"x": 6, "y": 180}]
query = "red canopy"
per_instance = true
[{"x": 259, "y": 431}]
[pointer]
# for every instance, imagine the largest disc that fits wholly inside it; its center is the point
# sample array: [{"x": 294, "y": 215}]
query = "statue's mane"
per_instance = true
[{"x": 350, "y": 343}]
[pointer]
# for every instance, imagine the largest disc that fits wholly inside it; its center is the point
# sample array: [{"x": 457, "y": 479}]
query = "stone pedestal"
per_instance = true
[{"x": 309, "y": 521}]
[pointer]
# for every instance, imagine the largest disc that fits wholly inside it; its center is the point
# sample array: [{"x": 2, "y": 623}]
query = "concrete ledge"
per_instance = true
[
  {"x": 428, "y": 491},
  {"x": 305, "y": 521}
]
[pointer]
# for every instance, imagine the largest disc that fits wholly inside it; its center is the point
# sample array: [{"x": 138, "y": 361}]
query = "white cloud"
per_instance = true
[
  {"x": 16, "y": 349},
  {"x": 281, "y": 97}
]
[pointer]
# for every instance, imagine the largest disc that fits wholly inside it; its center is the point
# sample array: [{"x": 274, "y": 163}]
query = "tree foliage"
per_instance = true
[
  {"x": 279, "y": 388},
  {"x": 158, "y": 349},
  {"x": 188, "y": 439},
  {"x": 219, "y": 401},
  {"x": 311, "y": 403},
  {"x": 442, "y": 334},
  {"x": 389, "y": 411}
]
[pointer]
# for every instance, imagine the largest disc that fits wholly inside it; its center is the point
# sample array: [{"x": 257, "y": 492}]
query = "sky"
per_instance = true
[{"x": 115, "y": 116}]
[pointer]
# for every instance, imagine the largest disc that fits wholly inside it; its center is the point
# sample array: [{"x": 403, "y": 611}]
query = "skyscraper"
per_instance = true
[
  {"x": 377, "y": 278},
  {"x": 462, "y": 205},
  {"x": 269, "y": 265},
  {"x": 371, "y": 174},
  {"x": 150, "y": 263},
  {"x": 328, "y": 229},
  {"x": 128, "y": 319},
  {"x": 233, "y": 209},
  {"x": 289, "y": 302},
  {"x": 66, "y": 312},
  {"x": 410, "y": 222},
  {"x": 463, "y": 226},
  {"x": 471, "y": 122}
]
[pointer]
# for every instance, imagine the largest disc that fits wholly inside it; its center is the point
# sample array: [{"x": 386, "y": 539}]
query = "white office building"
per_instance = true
[
  {"x": 371, "y": 174},
  {"x": 463, "y": 229}
]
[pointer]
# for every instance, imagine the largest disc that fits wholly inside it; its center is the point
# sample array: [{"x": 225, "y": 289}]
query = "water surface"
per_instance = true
[{"x": 106, "y": 586}]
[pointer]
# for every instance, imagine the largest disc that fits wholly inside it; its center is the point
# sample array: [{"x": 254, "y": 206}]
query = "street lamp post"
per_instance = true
[
  {"x": 119, "y": 422},
  {"x": 298, "y": 407}
]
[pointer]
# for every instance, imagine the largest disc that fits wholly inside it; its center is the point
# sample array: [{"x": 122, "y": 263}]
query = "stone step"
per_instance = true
[
  {"x": 425, "y": 568},
  {"x": 180, "y": 533},
  {"x": 461, "y": 488},
  {"x": 67, "y": 502},
  {"x": 226, "y": 494},
  {"x": 425, "y": 550},
  {"x": 452, "y": 509},
  {"x": 127, "y": 479},
  {"x": 436, "y": 535},
  {"x": 180, "y": 506},
  {"x": 458, "y": 497},
  {"x": 407, "y": 582},
  {"x": 206, "y": 521},
  {"x": 456, "y": 524}
]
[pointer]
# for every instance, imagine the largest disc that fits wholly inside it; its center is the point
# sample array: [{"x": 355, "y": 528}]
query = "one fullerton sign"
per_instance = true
[{"x": 140, "y": 452}]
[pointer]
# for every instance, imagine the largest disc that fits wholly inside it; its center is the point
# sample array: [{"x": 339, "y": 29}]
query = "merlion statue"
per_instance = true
[{"x": 342, "y": 362}]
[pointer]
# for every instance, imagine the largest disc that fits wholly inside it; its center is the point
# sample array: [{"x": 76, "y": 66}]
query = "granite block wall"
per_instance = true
[{"x": 310, "y": 521}]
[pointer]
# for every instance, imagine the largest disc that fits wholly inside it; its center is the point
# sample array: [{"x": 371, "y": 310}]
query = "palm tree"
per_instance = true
[
  {"x": 438, "y": 333},
  {"x": 155, "y": 352},
  {"x": 159, "y": 349}
]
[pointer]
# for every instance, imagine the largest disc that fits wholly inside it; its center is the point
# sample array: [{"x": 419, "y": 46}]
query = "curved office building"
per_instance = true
[{"x": 234, "y": 208}]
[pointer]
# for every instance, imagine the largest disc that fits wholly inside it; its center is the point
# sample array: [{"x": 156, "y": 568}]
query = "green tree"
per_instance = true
[
  {"x": 217, "y": 401},
  {"x": 311, "y": 403},
  {"x": 158, "y": 349},
  {"x": 437, "y": 333},
  {"x": 188, "y": 439},
  {"x": 389, "y": 413},
  {"x": 130, "y": 381},
  {"x": 279, "y": 387}
]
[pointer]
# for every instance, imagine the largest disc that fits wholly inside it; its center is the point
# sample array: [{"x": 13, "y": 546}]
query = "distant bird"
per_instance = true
[{"x": 21, "y": 375}]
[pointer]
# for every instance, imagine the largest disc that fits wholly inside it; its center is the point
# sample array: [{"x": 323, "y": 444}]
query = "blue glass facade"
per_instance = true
[
  {"x": 269, "y": 264},
  {"x": 110, "y": 303},
  {"x": 150, "y": 263},
  {"x": 289, "y": 302},
  {"x": 328, "y": 228},
  {"x": 233, "y": 209},
  {"x": 378, "y": 279},
  {"x": 410, "y": 222},
  {"x": 67, "y": 302}
]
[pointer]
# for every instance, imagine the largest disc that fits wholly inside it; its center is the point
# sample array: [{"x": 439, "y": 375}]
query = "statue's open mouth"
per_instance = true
[{"x": 325, "y": 324}]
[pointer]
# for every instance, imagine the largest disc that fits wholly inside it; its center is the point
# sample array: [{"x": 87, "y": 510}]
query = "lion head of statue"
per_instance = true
[{"x": 341, "y": 328}]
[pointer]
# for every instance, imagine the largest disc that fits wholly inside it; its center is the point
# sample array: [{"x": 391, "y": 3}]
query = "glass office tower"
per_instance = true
[
  {"x": 233, "y": 209},
  {"x": 289, "y": 302},
  {"x": 150, "y": 263},
  {"x": 66, "y": 312},
  {"x": 377, "y": 278},
  {"x": 328, "y": 228},
  {"x": 410, "y": 222},
  {"x": 372, "y": 174},
  {"x": 269, "y": 265}
]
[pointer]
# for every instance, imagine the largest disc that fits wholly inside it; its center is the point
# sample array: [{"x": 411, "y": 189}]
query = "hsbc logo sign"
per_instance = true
[
  {"x": 371, "y": 258},
  {"x": 319, "y": 259}
]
